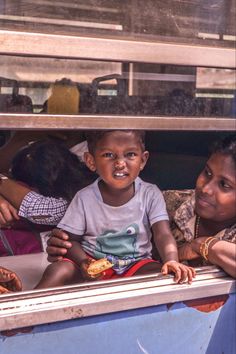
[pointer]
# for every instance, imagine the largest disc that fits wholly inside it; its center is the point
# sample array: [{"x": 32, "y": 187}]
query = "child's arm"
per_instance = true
[
  {"x": 167, "y": 248},
  {"x": 78, "y": 256},
  {"x": 76, "y": 252}
]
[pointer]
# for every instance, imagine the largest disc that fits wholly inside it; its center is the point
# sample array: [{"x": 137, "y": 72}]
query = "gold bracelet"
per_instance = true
[
  {"x": 204, "y": 247},
  {"x": 208, "y": 245},
  {"x": 207, "y": 242}
]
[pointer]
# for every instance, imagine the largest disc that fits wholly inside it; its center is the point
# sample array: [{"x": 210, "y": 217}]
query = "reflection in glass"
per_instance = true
[
  {"x": 209, "y": 22},
  {"x": 65, "y": 86}
]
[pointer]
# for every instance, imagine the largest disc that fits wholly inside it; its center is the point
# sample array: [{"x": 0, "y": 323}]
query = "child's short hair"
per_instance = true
[{"x": 94, "y": 136}]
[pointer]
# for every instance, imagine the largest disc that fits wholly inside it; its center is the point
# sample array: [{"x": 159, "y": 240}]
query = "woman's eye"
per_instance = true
[
  {"x": 207, "y": 172},
  {"x": 225, "y": 184}
]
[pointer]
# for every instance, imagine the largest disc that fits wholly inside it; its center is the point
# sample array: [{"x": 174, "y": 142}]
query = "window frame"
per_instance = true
[
  {"x": 50, "y": 305},
  {"x": 102, "y": 297}
]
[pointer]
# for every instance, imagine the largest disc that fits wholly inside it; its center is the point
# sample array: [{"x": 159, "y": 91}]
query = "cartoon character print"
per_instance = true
[{"x": 123, "y": 243}]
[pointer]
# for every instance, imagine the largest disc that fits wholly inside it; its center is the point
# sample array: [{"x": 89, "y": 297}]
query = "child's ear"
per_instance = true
[
  {"x": 89, "y": 161},
  {"x": 145, "y": 156}
]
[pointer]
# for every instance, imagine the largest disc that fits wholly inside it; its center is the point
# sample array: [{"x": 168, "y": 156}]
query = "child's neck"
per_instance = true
[{"x": 116, "y": 197}]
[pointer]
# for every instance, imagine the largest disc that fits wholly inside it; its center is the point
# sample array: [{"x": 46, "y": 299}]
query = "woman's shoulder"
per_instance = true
[
  {"x": 174, "y": 198},
  {"x": 230, "y": 234}
]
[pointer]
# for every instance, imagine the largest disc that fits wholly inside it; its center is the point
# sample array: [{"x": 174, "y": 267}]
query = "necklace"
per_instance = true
[{"x": 196, "y": 229}]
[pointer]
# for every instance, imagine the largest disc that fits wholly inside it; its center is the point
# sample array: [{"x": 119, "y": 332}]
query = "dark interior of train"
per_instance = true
[{"x": 155, "y": 90}]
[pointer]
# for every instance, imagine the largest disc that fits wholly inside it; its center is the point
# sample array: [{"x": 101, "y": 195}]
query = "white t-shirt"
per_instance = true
[{"x": 123, "y": 233}]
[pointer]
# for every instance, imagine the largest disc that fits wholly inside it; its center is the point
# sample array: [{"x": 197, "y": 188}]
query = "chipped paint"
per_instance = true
[{"x": 207, "y": 304}]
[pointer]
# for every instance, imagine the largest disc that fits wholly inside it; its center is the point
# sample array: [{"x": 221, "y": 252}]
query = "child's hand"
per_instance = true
[
  {"x": 84, "y": 270},
  {"x": 9, "y": 281},
  {"x": 181, "y": 271}
]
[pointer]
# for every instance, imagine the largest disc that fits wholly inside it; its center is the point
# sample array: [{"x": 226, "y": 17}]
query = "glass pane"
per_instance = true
[
  {"x": 62, "y": 86},
  {"x": 207, "y": 22}
]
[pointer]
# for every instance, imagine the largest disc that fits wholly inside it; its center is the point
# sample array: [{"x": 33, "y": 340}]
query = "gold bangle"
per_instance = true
[
  {"x": 204, "y": 247},
  {"x": 208, "y": 245}
]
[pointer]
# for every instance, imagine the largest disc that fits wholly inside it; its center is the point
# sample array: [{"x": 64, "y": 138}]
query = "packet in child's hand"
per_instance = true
[{"x": 98, "y": 266}]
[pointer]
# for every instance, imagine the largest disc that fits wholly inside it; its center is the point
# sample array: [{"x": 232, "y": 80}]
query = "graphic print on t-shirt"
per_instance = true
[{"x": 118, "y": 246}]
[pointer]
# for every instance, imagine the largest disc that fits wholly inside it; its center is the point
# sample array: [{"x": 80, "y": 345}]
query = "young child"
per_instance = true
[{"x": 116, "y": 216}]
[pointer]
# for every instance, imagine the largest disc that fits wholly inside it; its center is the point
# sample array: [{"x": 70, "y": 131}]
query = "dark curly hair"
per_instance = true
[
  {"x": 51, "y": 168},
  {"x": 226, "y": 146}
]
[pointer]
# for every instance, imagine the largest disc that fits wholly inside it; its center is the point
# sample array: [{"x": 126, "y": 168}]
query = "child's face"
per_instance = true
[
  {"x": 118, "y": 159},
  {"x": 216, "y": 190}
]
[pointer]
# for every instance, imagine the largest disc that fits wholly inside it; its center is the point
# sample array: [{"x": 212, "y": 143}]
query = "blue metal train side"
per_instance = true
[{"x": 152, "y": 330}]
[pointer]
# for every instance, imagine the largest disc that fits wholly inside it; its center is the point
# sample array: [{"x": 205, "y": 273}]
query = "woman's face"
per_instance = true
[{"x": 216, "y": 190}]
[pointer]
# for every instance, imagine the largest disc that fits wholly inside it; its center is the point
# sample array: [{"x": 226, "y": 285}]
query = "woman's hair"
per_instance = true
[
  {"x": 51, "y": 168},
  {"x": 226, "y": 146},
  {"x": 94, "y": 136}
]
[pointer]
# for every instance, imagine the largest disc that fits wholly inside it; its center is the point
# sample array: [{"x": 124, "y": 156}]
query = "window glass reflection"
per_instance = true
[
  {"x": 63, "y": 86},
  {"x": 209, "y": 22}
]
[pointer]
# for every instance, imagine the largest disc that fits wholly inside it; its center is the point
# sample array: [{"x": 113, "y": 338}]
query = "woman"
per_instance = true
[
  {"x": 205, "y": 224},
  {"x": 207, "y": 220}
]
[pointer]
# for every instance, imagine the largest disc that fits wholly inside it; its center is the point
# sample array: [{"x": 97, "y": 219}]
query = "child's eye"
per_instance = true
[
  {"x": 108, "y": 155},
  {"x": 131, "y": 154}
]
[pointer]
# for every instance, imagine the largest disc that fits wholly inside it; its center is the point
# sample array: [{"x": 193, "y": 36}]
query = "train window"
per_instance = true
[
  {"x": 66, "y": 67},
  {"x": 180, "y": 21},
  {"x": 65, "y": 86}
]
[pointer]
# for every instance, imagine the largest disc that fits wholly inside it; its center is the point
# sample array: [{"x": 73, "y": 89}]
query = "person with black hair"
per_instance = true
[
  {"x": 51, "y": 175},
  {"x": 204, "y": 225},
  {"x": 50, "y": 168},
  {"x": 45, "y": 176}
]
